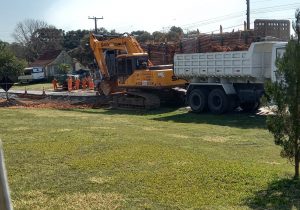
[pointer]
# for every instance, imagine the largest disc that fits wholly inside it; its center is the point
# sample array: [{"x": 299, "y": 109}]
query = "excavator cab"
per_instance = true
[{"x": 128, "y": 63}]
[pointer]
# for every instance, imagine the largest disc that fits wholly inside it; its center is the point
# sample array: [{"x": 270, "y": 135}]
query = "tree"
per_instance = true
[
  {"x": 142, "y": 36},
  {"x": 24, "y": 30},
  {"x": 36, "y": 36},
  {"x": 47, "y": 39},
  {"x": 175, "y": 33},
  {"x": 113, "y": 32},
  {"x": 285, "y": 93},
  {"x": 72, "y": 38},
  {"x": 64, "y": 68},
  {"x": 83, "y": 52},
  {"x": 158, "y": 36},
  {"x": 9, "y": 64},
  {"x": 42, "y": 40},
  {"x": 18, "y": 50}
]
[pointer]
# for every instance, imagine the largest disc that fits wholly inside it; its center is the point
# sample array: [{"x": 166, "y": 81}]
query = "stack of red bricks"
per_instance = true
[
  {"x": 163, "y": 53},
  {"x": 234, "y": 41}
]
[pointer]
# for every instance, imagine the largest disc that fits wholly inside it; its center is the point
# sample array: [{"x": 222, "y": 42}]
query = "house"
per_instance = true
[{"x": 51, "y": 61}]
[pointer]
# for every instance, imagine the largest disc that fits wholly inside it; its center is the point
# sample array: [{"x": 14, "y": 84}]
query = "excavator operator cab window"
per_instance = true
[
  {"x": 126, "y": 65},
  {"x": 141, "y": 63}
]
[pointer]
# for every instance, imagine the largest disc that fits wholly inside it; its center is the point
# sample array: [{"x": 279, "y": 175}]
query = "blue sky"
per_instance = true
[{"x": 154, "y": 15}]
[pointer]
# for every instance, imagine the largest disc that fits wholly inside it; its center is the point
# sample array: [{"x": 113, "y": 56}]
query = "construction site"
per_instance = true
[
  {"x": 118, "y": 82},
  {"x": 185, "y": 117}
]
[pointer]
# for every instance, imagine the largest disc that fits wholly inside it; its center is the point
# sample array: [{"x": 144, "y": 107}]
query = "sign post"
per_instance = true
[
  {"x": 5, "y": 202},
  {"x": 6, "y": 83}
]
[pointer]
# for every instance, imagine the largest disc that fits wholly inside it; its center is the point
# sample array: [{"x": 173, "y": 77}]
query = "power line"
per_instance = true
[
  {"x": 260, "y": 1},
  {"x": 229, "y": 27},
  {"x": 216, "y": 19},
  {"x": 277, "y": 7},
  {"x": 282, "y": 7}
]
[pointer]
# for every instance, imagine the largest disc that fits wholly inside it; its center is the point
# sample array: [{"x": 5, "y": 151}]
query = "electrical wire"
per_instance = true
[
  {"x": 264, "y": 10},
  {"x": 229, "y": 27}
]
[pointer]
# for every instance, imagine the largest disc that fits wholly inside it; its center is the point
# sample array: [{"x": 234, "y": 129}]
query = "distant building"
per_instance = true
[
  {"x": 278, "y": 29},
  {"x": 51, "y": 60}
]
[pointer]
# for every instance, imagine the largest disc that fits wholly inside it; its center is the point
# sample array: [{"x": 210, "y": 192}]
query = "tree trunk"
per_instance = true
[
  {"x": 6, "y": 93},
  {"x": 296, "y": 165}
]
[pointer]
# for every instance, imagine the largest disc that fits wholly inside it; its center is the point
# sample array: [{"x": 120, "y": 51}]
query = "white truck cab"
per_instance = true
[{"x": 32, "y": 74}]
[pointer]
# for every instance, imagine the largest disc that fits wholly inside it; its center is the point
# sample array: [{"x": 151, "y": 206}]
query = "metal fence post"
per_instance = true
[{"x": 5, "y": 203}]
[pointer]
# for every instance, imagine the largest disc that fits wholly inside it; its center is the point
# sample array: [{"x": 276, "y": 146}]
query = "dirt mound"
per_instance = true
[
  {"x": 10, "y": 103},
  {"x": 43, "y": 103}
]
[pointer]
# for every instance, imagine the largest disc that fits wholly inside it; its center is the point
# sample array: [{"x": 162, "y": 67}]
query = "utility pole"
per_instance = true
[
  {"x": 95, "y": 19},
  {"x": 248, "y": 14}
]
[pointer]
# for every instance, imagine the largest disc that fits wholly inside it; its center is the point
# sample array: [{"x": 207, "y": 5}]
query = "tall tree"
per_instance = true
[
  {"x": 72, "y": 38},
  {"x": 83, "y": 52},
  {"x": 44, "y": 39},
  {"x": 36, "y": 36},
  {"x": 9, "y": 64},
  {"x": 47, "y": 39},
  {"x": 25, "y": 29},
  {"x": 285, "y": 93}
]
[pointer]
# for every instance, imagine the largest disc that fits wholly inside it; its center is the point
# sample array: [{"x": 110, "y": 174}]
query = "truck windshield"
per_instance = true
[
  {"x": 27, "y": 71},
  {"x": 37, "y": 70}
]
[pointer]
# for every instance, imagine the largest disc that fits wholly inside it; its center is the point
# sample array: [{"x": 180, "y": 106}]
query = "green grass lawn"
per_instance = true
[
  {"x": 33, "y": 86},
  {"x": 168, "y": 159}
]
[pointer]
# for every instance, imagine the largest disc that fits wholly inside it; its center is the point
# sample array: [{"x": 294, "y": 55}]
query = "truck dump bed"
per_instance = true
[{"x": 256, "y": 63}]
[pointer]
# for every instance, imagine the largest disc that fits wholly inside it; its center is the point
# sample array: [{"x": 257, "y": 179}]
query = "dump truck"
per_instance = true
[{"x": 221, "y": 81}]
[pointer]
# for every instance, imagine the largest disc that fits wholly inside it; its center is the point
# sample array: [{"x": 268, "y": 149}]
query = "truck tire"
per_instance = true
[
  {"x": 218, "y": 102},
  {"x": 197, "y": 100}
]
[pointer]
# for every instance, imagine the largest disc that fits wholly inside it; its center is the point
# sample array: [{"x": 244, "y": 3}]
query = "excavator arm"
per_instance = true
[{"x": 127, "y": 45}]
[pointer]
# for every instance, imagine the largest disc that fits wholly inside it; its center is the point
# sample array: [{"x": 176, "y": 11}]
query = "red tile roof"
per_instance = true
[{"x": 46, "y": 58}]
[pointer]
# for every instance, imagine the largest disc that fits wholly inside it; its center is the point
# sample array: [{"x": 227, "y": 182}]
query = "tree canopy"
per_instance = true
[
  {"x": 285, "y": 94},
  {"x": 24, "y": 30},
  {"x": 34, "y": 37},
  {"x": 9, "y": 64}
]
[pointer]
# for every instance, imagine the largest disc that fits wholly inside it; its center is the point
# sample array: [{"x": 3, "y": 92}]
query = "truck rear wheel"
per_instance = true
[
  {"x": 197, "y": 100},
  {"x": 218, "y": 101}
]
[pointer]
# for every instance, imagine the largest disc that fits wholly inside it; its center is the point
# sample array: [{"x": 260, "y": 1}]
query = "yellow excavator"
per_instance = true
[{"x": 128, "y": 74}]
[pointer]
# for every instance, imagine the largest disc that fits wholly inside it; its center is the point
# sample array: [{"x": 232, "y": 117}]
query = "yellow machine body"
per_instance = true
[{"x": 133, "y": 68}]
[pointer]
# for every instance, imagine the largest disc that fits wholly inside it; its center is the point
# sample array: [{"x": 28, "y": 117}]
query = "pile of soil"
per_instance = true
[
  {"x": 43, "y": 103},
  {"x": 10, "y": 103}
]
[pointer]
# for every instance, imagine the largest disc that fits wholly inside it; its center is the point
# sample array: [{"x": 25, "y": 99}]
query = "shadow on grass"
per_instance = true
[
  {"x": 282, "y": 194},
  {"x": 235, "y": 119},
  {"x": 109, "y": 111}
]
